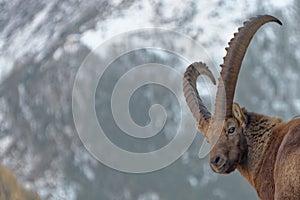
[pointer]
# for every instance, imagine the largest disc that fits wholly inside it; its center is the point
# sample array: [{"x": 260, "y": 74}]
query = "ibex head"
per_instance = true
[{"x": 224, "y": 130}]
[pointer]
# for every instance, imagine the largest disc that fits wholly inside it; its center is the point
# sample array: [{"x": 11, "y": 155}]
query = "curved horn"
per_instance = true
[
  {"x": 232, "y": 64},
  {"x": 200, "y": 112}
]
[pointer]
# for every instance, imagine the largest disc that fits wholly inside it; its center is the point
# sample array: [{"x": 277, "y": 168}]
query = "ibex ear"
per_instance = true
[{"x": 238, "y": 114}]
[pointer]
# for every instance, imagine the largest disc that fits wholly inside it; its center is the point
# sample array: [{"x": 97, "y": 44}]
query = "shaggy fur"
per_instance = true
[{"x": 271, "y": 162}]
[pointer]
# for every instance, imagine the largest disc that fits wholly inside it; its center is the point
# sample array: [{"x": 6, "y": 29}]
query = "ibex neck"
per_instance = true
[{"x": 263, "y": 142}]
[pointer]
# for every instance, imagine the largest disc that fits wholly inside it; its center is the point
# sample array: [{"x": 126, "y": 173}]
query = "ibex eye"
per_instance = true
[{"x": 231, "y": 130}]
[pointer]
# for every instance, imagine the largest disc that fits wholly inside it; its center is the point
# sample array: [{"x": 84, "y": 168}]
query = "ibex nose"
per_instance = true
[{"x": 217, "y": 162}]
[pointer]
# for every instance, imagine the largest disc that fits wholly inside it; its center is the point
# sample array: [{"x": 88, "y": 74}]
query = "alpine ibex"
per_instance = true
[{"x": 266, "y": 150}]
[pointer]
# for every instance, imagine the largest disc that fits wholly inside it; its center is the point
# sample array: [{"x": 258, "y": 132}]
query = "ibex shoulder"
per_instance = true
[{"x": 286, "y": 173}]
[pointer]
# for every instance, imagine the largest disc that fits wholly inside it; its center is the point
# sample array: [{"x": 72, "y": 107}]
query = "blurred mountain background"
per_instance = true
[{"x": 42, "y": 45}]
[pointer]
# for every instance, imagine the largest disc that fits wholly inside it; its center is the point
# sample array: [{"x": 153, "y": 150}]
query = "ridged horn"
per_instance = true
[
  {"x": 232, "y": 63},
  {"x": 200, "y": 112}
]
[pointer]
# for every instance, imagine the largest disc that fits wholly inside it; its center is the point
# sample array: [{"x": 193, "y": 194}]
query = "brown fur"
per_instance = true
[
  {"x": 271, "y": 161},
  {"x": 287, "y": 166}
]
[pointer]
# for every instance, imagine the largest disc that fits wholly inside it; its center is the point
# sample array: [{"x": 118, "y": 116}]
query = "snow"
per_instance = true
[
  {"x": 193, "y": 181},
  {"x": 5, "y": 143},
  {"x": 213, "y": 21},
  {"x": 22, "y": 42},
  {"x": 149, "y": 196},
  {"x": 282, "y": 4},
  {"x": 139, "y": 16},
  {"x": 6, "y": 64},
  {"x": 296, "y": 103}
]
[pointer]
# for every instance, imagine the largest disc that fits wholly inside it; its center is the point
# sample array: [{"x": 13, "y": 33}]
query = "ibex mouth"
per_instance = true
[
  {"x": 224, "y": 167},
  {"x": 231, "y": 168}
]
